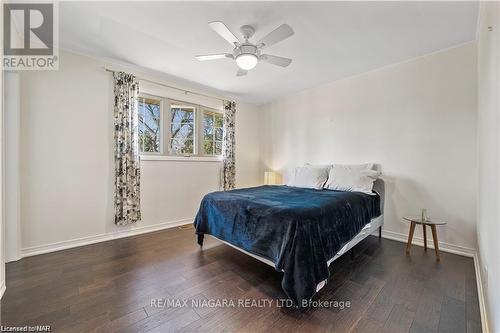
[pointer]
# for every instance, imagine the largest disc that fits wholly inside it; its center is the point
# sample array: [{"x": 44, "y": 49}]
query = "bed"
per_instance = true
[{"x": 298, "y": 231}]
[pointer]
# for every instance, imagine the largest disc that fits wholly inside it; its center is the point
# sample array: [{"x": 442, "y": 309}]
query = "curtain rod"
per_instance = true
[{"x": 171, "y": 87}]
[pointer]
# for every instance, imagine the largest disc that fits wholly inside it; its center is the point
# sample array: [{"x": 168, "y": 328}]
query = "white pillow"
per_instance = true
[
  {"x": 327, "y": 166},
  {"x": 308, "y": 177},
  {"x": 353, "y": 178}
]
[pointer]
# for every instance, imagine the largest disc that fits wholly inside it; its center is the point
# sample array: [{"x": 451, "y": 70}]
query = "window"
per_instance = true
[
  {"x": 168, "y": 127},
  {"x": 182, "y": 129},
  {"x": 212, "y": 133},
  {"x": 149, "y": 125}
]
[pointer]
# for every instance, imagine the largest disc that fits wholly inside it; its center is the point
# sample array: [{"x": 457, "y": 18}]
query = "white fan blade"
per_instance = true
[
  {"x": 277, "y": 35},
  {"x": 214, "y": 56},
  {"x": 275, "y": 60},
  {"x": 224, "y": 32},
  {"x": 241, "y": 72}
]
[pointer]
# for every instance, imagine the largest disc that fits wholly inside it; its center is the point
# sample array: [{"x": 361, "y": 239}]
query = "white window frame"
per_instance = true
[
  {"x": 162, "y": 100},
  {"x": 201, "y": 132},
  {"x": 165, "y": 132},
  {"x": 168, "y": 128}
]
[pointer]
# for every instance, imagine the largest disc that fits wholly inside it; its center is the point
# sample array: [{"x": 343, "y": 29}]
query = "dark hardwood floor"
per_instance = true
[{"x": 109, "y": 287}]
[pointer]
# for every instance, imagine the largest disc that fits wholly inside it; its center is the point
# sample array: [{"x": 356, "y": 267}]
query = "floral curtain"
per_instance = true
[
  {"x": 228, "y": 147},
  {"x": 127, "y": 163}
]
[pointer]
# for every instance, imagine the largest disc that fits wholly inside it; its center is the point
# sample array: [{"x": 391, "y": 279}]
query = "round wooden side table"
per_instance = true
[{"x": 432, "y": 223}]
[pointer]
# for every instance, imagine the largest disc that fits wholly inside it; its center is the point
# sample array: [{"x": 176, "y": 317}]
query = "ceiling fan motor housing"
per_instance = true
[
  {"x": 247, "y": 31},
  {"x": 246, "y": 49}
]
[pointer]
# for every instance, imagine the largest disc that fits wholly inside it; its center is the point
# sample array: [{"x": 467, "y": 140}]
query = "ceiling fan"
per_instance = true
[{"x": 247, "y": 54}]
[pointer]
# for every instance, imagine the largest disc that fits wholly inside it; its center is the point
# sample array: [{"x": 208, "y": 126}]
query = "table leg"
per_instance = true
[
  {"x": 425, "y": 236},
  {"x": 410, "y": 237},
  {"x": 435, "y": 238}
]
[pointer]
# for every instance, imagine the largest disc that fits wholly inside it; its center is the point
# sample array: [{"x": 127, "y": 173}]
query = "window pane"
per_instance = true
[
  {"x": 182, "y": 129},
  {"x": 218, "y": 120},
  {"x": 208, "y": 119},
  {"x": 182, "y": 114},
  {"x": 149, "y": 125},
  {"x": 218, "y": 148},
  {"x": 208, "y": 133},
  {"x": 212, "y": 132},
  {"x": 188, "y": 147},
  {"x": 218, "y": 134},
  {"x": 182, "y": 146},
  {"x": 208, "y": 147}
]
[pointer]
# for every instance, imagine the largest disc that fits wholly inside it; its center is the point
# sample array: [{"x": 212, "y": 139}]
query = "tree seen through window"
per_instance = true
[
  {"x": 212, "y": 133},
  {"x": 149, "y": 125},
  {"x": 182, "y": 119},
  {"x": 178, "y": 128}
]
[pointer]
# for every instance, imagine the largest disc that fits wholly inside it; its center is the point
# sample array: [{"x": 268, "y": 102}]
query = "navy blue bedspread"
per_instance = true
[{"x": 298, "y": 229}]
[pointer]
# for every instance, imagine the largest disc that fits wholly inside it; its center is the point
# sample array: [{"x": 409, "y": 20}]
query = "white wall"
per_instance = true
[
  {"x": 416, "y": 119},
  {"x": 488, "y": 214},
  {"x": 12, "y": 128},
  {"x": 67, "y": 159},
  {"x": 2, "y": 174}
]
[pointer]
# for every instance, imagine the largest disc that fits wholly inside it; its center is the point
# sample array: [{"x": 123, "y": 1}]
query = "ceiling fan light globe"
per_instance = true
[{"x": 246, "y": 61}]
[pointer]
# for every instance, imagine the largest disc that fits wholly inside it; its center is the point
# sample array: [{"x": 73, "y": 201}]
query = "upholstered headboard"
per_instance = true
[{"x": 379, "y": 187}]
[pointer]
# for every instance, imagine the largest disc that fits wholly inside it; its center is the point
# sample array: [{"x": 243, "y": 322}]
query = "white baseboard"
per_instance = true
[
  {"x": 52, "y": 247},
  {"x": 445, "y": 247},
  {"x": 480, "y": 295}
]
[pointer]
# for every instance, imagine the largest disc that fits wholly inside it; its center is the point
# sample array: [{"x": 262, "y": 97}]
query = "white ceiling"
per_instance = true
[{"x": 332, "y": 40}]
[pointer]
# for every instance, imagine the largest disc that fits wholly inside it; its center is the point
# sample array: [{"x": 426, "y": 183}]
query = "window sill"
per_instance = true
[{"x": 181, "y": 158}]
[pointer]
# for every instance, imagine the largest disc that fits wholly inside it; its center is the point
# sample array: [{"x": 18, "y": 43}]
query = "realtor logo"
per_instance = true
[{"x": 30, "y": 36}]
